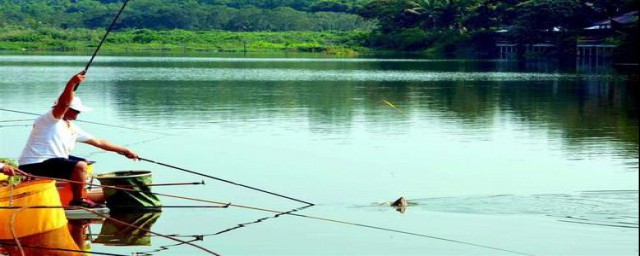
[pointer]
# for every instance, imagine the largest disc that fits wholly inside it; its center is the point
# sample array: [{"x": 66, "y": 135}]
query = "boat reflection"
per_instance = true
[
  {"x": 33, "y": 222},
  {"x": 57, "y": 242},
  {"x": 127, "y": 229},
  {"x": 74, "y": 239}
]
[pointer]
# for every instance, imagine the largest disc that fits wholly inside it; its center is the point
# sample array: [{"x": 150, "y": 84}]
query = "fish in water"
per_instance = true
[{"x": 400, "y": 204}]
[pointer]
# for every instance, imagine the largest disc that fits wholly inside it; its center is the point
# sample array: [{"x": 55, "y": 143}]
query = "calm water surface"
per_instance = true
[{"x": 482, "y": 147}]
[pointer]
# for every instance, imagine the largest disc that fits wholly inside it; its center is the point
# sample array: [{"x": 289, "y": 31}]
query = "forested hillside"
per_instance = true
[
  {"x": 242, "y": 15},
  {"x": 446, "y": 28}
]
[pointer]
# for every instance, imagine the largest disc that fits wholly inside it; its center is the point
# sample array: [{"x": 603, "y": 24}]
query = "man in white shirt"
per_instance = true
[{"x": 53, "y": 137}]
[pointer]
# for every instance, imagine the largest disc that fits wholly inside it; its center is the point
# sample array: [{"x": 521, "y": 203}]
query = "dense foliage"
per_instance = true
[
  {"x": 455, "y": 25},
  {"x": 244, "y": 15},
  {"x": 441, "y": 27}
]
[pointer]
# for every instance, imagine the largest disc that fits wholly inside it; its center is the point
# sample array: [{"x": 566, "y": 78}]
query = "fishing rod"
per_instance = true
[
  {"x": 228, "y": 204},
  {"x": 104, "y": 38},
  {"x": 224, "y": 180},
  {"x": 122, "y": 207},
  {"x": 162, "y": 184}
]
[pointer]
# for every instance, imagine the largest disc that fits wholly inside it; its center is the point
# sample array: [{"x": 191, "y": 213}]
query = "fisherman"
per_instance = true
[{"x": 54, "y": 135}]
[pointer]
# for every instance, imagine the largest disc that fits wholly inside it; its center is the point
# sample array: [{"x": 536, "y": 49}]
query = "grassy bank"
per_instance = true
[{"x": 177, "y": 41}]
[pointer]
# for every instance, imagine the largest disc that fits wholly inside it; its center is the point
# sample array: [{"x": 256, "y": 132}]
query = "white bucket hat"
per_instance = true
[{"x": 76, "y": 104}]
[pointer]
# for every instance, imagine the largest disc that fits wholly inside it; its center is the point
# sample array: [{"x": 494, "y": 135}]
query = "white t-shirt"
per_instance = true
[{"x": 51, "y": 138}]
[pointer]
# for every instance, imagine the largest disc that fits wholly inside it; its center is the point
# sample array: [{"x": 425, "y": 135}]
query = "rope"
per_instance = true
[
  {"x": 224, "y": 180},
  {"x": 12, "y": 226},
  {"x": 104, "y": 37}
]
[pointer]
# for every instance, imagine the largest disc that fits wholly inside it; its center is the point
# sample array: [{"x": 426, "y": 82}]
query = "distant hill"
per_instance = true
[{"x": 229, "y": 15}]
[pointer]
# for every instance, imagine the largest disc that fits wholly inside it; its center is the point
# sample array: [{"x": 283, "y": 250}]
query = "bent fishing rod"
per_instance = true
[
  {"x": 104, "y": 38},
  {"x": 226, "y": 181},
  {"x": 278, "y": 213}
]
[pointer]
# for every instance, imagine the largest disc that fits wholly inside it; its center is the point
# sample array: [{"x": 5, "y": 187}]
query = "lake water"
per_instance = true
[{"x": 500, "y": 157}]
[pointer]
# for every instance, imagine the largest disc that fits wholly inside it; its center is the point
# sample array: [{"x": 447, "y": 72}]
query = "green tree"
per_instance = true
[{"x": 391, "y": 15}]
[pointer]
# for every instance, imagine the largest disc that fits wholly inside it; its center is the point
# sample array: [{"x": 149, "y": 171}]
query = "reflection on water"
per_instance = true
[
  {"x": 120, "y": 229},
  {"x": 584, "y": 115},
  {"x": 127, "y": 229},
  {"x": 57, "y": 242}
]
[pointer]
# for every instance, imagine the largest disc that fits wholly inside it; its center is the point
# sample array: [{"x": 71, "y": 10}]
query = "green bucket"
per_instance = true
[{"x": 136, "y": 195}]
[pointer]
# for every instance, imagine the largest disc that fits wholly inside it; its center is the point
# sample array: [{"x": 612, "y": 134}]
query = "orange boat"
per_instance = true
[{"x": 29, "y": 208}]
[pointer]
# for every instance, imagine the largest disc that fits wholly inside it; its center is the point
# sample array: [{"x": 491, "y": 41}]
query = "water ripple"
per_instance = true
[{"x": 615, "y": 208}]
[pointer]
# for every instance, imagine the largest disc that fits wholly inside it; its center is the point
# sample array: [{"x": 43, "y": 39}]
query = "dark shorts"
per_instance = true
[{"x": 60, "y": 168}]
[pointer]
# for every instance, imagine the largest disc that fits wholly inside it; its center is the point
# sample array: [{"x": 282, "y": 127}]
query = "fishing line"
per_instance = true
[
  {"x": 311, "y": 217},
  {"x": 224, "y": 180},
  {"x": 149, "y": 231},
  {"x": 17, "y": 120},
  {"x": 242, "y": 225},
  {"x": 165, "y": 247},
  {"x": 15, "y": 125},
  {"x": 238, "y": 226},
  {"x": 91, "y": 154},
  {"x": 90, "y": 122},
  {"x": 104, "y": 37}
]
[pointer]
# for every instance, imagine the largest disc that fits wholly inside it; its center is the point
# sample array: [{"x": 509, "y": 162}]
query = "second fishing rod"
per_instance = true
[{"x": 225, "y": 180}]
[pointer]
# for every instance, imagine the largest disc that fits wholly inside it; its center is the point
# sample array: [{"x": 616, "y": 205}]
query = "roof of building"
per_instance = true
[{"x": 624, "y": 19}]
